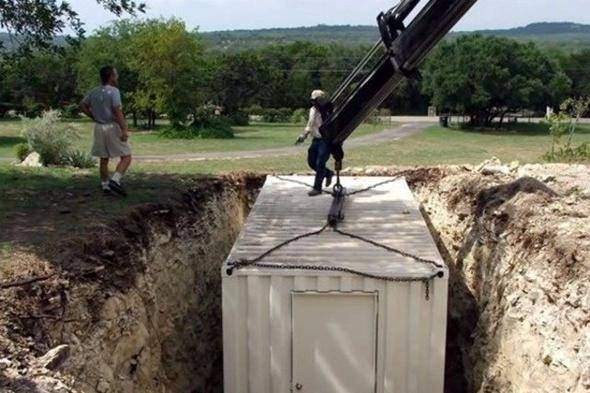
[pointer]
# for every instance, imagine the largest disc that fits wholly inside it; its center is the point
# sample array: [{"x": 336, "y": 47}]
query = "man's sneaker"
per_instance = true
[
  {"x": 107, "y": 192},
  {"x": 329, "y": 179},
  {"x": 117, "y": 188},
  {"x": 314, "y": 192}
]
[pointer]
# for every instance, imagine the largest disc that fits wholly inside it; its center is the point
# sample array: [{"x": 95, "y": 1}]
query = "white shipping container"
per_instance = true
[{"x": 329, "y": 331}]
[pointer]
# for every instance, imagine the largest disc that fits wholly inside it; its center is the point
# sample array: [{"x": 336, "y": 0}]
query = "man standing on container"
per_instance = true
[
  {"x": 319, "y": 151},
  {"x": 103, "y": 105}
]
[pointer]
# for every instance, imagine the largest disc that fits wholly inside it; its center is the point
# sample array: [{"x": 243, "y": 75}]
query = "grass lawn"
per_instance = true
[
  {"x": 526, "y": 143},
  {"x": 42, "y": 203},
  {"x": 254, "y": 137}
]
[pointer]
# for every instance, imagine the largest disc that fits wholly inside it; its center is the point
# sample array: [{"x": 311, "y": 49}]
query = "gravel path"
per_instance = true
[{"x": 394, "y": 134}]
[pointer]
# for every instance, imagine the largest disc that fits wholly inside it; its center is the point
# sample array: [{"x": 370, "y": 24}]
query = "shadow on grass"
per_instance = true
[
  {"x": 45, "y": 206},
  {"x": 11, "y": 141},
  {"x": 525, "y": 129}
]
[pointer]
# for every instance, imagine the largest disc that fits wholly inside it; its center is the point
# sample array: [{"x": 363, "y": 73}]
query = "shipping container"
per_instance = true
[{"x": 331, "y": 312}]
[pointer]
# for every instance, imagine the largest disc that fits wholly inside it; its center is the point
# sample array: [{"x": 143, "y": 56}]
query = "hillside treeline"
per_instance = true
[{"x": 167, "y": 70}]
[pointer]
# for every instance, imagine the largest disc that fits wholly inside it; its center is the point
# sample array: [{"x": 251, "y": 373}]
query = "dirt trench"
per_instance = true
[{"x": 141, "y": 311}]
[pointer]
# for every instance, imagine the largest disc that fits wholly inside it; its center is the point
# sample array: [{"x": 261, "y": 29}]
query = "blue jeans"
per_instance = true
[{"x": 317, "y": 157}]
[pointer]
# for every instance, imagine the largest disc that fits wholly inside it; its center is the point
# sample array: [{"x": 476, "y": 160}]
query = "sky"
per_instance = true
[{"x": 210, "y": 15}]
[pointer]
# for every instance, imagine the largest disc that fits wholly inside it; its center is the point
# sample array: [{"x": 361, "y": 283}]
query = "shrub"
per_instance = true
[
  {"x": 80, "y": 159},
  {"x": 49, "y": 137},
  {"x": 255, "y": 110},
  {"x": 206, "y": 124},
  {"x": 179, "y": 132},
  {"x": 282, "y": 115},
  {"x": 22, "y": 150},
  {"x": 299, "y": 116},
  {"x": 71, "y": 111},
  {"x": 217, "y": 133},
  {"x": 238, "y": 118},
  {"x": 31, "y": 109}
]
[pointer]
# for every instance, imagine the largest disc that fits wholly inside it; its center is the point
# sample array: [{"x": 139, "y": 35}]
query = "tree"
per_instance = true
[
  {"x": 488, "y": 77},
  {"x": 110, "y": 45},
  {"x": 240, "y": 80},
  {"x": 170, "y": 68},
  {"x": 161, "y": 67},
  {"x": 39, "y": 81},
  {"x": 576, "y": 66},
  {"x": 35, "y": 23}
]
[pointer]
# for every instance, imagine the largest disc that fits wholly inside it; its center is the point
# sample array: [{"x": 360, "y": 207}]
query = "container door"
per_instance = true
[{"x": 334, "y": 342}]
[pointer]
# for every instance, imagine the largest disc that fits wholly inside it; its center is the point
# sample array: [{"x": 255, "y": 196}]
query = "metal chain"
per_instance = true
[
  {"x": 395, "y": 178},
  {"x": 256, "y": 261},
  {"x": 391, "y": 249}
]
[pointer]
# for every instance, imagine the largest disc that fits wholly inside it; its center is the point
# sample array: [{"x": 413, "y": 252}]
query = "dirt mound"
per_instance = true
[
  {"x": 518, "y": 241},
  {"x": 136, "y": 304}
]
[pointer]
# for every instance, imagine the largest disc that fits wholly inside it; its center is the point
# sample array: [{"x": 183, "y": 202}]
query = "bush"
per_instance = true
[
  {"x": 216, "y": 133},
  {"x": 71, "y": 111},
  {"x": 179, "y": 132},
  {"x": 205, "y": 124},
  {"x": 22, "y": 150},
  {"x": 579, "y": 153},
  {"x": 282, "y": 115},
  {"x": 255, "y": 110},
  {"x": 300, "y": 116},
  {"x": 238, "y": 118},
  {"x": 49, "y": 137},
  {"x": 80, "y": 159},
  {"x": 31, "y": 109}
]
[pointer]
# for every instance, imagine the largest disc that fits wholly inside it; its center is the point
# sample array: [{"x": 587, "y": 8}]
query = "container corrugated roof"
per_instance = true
[{"x": 387, "y": 214}]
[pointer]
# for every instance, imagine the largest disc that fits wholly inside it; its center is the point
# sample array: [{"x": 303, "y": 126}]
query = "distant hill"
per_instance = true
[
  {"x": 10, "y": 42},
  {"x": 568, "y": 36},
  {"x": 246, "y": 39},
  {"x": 564, "y": 35}
]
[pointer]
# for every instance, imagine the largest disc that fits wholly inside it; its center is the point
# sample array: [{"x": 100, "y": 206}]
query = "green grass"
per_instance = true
[
  {"x": 33, "y": 200},
  {"x": 526, "y": 143},
  {"x": 255, "y": 137}
]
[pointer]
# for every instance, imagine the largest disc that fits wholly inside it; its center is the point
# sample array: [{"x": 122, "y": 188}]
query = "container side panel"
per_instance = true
[
  {"x": 381, "y": 288},
  {"x": 358, "y": 283},
  {"x": 397, "y": 338},
  {"x": 424, "y": 330},
  {"x": 241, "y": 349},
  {"x": 327, "y": 284},
  {"x": 413, "y": 337},
  {"x": 280, "y": 333},
  {"x": 346, "y": 284},
  {"x": 438, "y": 335},
  {"x": 259, "y": 334},
  {"x": 230, "y": 308},
  {"x": 306, "y": 283}
]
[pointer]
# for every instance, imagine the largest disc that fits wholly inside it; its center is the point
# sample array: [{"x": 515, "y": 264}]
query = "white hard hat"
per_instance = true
[{"x": 317, "y": 94}]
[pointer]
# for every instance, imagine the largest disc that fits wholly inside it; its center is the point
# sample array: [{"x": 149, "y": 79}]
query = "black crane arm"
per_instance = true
[{"x": 397, "y": 55}]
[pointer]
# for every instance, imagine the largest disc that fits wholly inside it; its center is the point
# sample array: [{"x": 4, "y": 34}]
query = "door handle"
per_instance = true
[{"x": 298, "y": 386}]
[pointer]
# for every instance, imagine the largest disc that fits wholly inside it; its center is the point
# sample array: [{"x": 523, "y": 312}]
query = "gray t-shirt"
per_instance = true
[{"x": 103, "y": 100}]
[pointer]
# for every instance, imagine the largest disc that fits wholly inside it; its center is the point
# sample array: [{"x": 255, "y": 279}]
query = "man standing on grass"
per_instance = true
[{"x": 103, "y": 106}]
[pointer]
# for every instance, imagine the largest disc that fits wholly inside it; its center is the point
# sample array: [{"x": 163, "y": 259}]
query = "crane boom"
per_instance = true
[{"x": 403, "y": 49}]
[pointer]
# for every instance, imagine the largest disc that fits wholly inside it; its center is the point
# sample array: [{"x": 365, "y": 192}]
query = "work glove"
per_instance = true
[{"x": 301, "y": 139}]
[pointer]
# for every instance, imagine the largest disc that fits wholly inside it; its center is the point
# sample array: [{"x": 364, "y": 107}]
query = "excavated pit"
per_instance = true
[{"x": 140, "y": 311}]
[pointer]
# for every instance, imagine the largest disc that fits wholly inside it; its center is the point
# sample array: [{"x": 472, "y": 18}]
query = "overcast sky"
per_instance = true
[{"x": 211, "y": 15}]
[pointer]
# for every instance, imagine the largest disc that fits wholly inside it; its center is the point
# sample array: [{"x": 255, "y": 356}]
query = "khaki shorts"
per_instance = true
[{"x": 108, "y": 143}]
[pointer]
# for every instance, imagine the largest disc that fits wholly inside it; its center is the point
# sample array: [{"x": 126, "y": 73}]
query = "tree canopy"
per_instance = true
[{"x": 487, "y": 77}]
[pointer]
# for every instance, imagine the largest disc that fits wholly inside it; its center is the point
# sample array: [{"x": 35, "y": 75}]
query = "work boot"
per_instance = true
[
  {"x": 314, "y": 192},
  {"x": 329, "y": 179}
]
